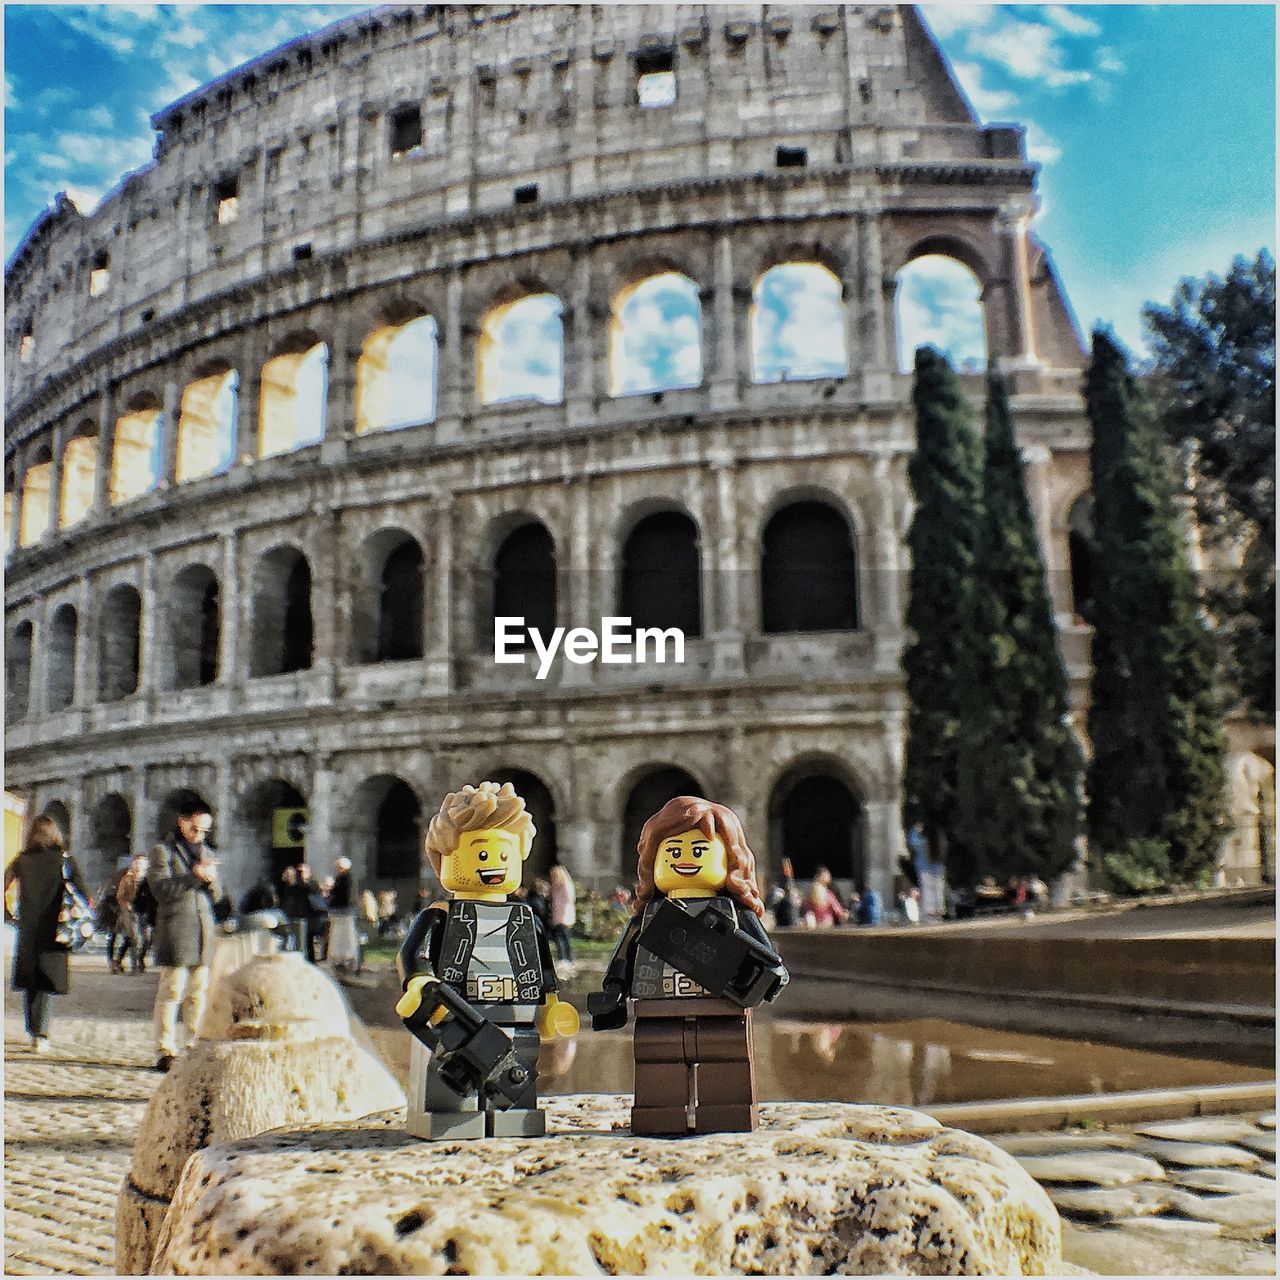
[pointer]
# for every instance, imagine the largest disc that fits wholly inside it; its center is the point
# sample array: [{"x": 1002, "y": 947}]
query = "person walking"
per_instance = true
[
  {"x": 41, "y": 965},
  {"x": 127, "y": 926},
  {"x": 344, "y": 941},
  {"x": 184, "y": 879},
  {"x": 564, "y": 912}
]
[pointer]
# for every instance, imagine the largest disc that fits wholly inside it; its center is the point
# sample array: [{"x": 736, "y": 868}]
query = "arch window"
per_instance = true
[
  {"x": 79, "y": 476},
  {"x": 195, "y": 626},
  {"x": 647, "y": 795},
  {"x": 816, "y": 820},
  {"x": 60, "y": 690},
  {"x": 293, "y": 401},
  {"x": 524, "y": 580},
  {"x": 396, "y": 376},
  {"x": 272, "y": 842},
  {"x": 207, "y": 426},
  {"x": 136, "y": 455},
  {"x": 939, "y": 304},
  {"x": 282, "y": 630},
  {"x": 119, "y": 644},
  {"x": 17, "y": 679},
  {"x": 385, "y": 832},
  {"x": 798, "y": 324},
  {"x": 661, "y": 579},
  {"x": 541, "y": 804},
  {"x": 521, "y": 351},
  {"x": 112, "y": 826},
  {"x": 808, "y": 571},
  {"x": 36, "y": 496},
  {"x": 655, "y": 336},
  {"x": 387, "y": 619}
]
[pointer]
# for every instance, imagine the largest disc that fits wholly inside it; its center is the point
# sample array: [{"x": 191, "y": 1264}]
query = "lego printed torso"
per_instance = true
[
  {"x": 654, "y": 978},
  {"x": 489, "y": 953}
]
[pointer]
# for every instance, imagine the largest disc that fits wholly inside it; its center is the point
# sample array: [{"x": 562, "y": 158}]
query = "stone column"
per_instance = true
[
  {"x": 875, "y": 297},
  {"x": 728, "y": 636},
  {"x": 15, "y": 517},
  {"x": 84, "y": 686},
  {"x": 327, "y": 604},
  {"x": 60, "y": 436},
  {"x": 169, "y": 419},
  {"x": 320, "y": 803},
  {"x": 249, "y": 398},
  {"x": 455, "y": 373},
  {"x": 1013, "y": 222},
  {"x": 234, "y": 873},
  {"x": 725, "y": 372},
  {"x": 106, "y": 441},
  {"x": 1037, "y": 461},
  {"x": 851, "y": 298},
  {"x": 340, "y": 407},
  {"x": 884, "y": 614},
  {"x": 236, "y": 608},
  {"x": 149, "y": 632},
  {"x": 438, "y": 598},
  {"x": 582, "y": 345},
  {"x": 885, "y": 843}
]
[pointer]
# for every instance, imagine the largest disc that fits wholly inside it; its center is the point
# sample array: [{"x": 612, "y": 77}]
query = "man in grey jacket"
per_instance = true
[{"x": 184, "y": 880}]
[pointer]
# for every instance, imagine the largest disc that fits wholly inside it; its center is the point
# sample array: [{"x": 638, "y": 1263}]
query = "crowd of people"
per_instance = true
[{"x": 821, "y": 906}]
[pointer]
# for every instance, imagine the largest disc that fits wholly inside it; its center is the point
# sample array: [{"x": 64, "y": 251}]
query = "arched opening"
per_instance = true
[
  {"x": 282, "y": 632},
  {"x": 385, "y": 837},
  {"x": 1080, "y": 556},
  {"x": 661, "y": 578},
  {"x": 939, "y": 304},
  {"x": 808, "y": 571},
  {"x": 521, "y": 351},
  {"x": 816, "y": 820},
  {"x": 647, "y": 795},
  {"x": 274, "y": 832},
  {"x": 798, "y": 324},
  {"x": 17, "y": 672},
  {"x": 396, "y": 376},
  {"x": 79, "y": 475},
  {"x": 119, "y": 643},
  {"x": 10, "y": 501},
  {"x": 36, "y": 490},
  {"x": 207, "y": 425},
  {"x": 112, "y": 827},
  {"x": 655, "y": 336},
  {"x": 293, "y": 401},
  {"x": 61, "y": 658},
  {"x": 386, "y": 613},
  {"x": 195, "y": 627},
  {"x": 137, "y": 458},
  {"x": 541, "y": 804},
  {"x": 173, "y": 804},
  {"x": 524, "y": 580}
]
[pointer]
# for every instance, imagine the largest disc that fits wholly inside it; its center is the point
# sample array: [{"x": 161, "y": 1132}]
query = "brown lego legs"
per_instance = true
[{"x": 694, "y": 1075}]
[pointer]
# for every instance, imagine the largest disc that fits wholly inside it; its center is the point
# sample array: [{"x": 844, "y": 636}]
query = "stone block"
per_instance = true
[{"x": 819, "y": 1188}]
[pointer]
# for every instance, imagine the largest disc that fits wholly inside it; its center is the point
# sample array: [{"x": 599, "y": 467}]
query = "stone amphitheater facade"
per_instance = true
[{"x": 445, "y": 161}]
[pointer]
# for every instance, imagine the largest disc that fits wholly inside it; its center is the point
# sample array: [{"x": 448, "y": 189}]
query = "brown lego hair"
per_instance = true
[
  {"x": 690, "y": 813},
  {"x": 474, "y": 809}
]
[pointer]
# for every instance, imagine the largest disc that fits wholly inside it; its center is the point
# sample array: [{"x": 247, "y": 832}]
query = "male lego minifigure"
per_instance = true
[
  {"x": 695, "y": 959},
  {"x": 480, "y": 987}
]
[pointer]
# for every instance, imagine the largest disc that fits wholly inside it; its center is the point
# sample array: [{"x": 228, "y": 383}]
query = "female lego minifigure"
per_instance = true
[{"x": 694, "y": 1063}]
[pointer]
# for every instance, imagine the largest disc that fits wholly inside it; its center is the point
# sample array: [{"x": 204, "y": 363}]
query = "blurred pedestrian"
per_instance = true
[
  {"x": 564, "y": 912},
  {"x": 870, "y": 908},
  {"x": 128, "y": 929},
  {"x": 344, "y": 942},
  {"x": 784, "y": 898},
  {"x": 41, "y": 963},
  {"x": 262, "y": 897},
  {"x": 317, "y": 916},
  {"x": 822, "y": 907},
  {"x": 293, "y": 902},
  {"x": 910, "y": 905},
  {"x": 388, "y": 905},
  {"x": 538, "y": 896}
]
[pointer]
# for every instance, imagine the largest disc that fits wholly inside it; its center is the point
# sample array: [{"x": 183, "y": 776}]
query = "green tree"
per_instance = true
[
  {"x": 1020, "y": 763},
  {"x": 1215, "y": 375},
  {"x": 1157, "y": 772},
  {"x": 945, "y": 474}
]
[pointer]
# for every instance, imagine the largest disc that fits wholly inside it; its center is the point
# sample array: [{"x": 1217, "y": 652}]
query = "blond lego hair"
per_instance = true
[{"x": 477, "y": 809}]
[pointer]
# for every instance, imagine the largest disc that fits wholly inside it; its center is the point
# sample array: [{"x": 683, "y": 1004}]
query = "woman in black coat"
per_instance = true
[{"x": 41, "y": 968}]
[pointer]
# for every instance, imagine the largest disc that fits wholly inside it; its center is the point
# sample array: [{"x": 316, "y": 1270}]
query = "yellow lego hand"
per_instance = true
[
  {"x": 557, "y": 1019},
  {"x": 411, "y": 1001}
]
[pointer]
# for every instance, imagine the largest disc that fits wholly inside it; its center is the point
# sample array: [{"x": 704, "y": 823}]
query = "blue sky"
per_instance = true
[{"x": 1154, "y": 124}]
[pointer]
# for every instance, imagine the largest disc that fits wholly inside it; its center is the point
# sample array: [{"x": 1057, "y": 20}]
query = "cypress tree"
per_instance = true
[
  {"x": 945, "y": 474},
  {"x": 1020, "y": 762},
  {"x": 1157, "y": 778}
]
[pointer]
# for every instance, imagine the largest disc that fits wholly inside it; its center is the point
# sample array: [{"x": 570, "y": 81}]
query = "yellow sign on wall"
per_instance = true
[{"x": 289, "y": 828}]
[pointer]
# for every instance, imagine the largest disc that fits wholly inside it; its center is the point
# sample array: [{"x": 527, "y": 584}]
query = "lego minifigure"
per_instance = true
[
  {"x": 695, "y": 960},
  {"x": 479, "y": 983}
]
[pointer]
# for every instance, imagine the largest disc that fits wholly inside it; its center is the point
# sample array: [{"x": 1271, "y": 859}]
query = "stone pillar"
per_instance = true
[
  {"x": 149, "y": 628},
  {"x": 320, "y": 803},
  {"x": 728, "y": 636},
  {"x": 438, "y": 600},
  {"x": 1037, "y": 462},
  {"x": 248, "y": 399},
  {"x": 15, "y": 517},
  {"x": 60, "y": 436},
  {"x": 725, "y": 373},
  {"x": 455, "y": 375},
  {"x": 234, "y": 873},
  {"x": 883, "y": 608},
  {"x": 106, "y": 440},
  {"x": 851, "y": 298},
  {"x": 169, "y": 420},
  {"x": 84, "y": 689},
  {"x": 340, "y": 407},
  {"x": 586, "y": 335},
  {"x": 885, "y": 843},
  {"x": 327, "y": 602},
  {"x": 236, "y": 610},
  {"x": 875, "y": 298},
  {"x": 1013, "y": 221}
]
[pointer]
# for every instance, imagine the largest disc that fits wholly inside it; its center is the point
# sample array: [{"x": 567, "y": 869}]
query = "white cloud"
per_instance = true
[
  {"x": 986, "y": 101},
  {"x": 1028, "y": 51},
  {"x": 948, "y": 19},
  {"x": 10, "y": 95},
  {"x": 938, "y": 304},
  {"x": 530, "y": 351},
  {"x": 1108, "y": 62},
  {"x": 799, "y": 325},
  {"x": 661, "y": 336},
  {"x": 1073, "y": 23},
  {"x": 98, "y": 117},
  {"x": 1041, "y": 147}
]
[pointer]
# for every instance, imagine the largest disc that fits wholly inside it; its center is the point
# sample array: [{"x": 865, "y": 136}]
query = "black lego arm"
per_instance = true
[
  {"x": 549, "y": 980},
  {"x": 608, "y": 1006},
  {"x": 420, "y": 943},
  {"x": 750, "y": 924}
]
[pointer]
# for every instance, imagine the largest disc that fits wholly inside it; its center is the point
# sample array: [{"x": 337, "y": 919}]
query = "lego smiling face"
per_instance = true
[
  {"x": 691, "y": 865},
  {"x": 486, "y": 863}
]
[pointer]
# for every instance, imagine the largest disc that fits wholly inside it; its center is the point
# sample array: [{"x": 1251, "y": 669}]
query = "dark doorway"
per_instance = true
[
  {"x": 282, "y": 625},
  {"x": 62, "y": 658},
  {"x": 277, "y": 844},
  {"x": 542, "y": 809},
  {"x": 17, "y": 702},
  {"x": 400, "y": 605},
  {"x": 648, "y": 795},
  {"x": 661, "y": 582},
  {"x": 524, "y": 581},
  {"x": 194, "y": 627},
  {"x": 808, "y": 571},
  {"x": 397, "y": 838},
  {"x": 119, "y": 644},
  {"x": 816, "y": 820},
  {"x": 112, "y": 827}
]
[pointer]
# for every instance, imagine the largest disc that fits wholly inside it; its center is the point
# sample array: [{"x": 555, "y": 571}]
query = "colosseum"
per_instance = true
[{"x": 277, "y": 452}]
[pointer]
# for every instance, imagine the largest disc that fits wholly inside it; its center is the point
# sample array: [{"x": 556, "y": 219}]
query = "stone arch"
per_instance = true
[
  {"x": 79, "y": 475},
  {"x": 940, "y": 301},
  {"x": 397, "y": 374},
  {"x": 1081, "y": 557},
  {"x": 207, "y": 423},
  {"x": 808, "y": 568},
  {"x": 645, "y": 790},
  {"x": 37, "y": 491},
  {"x": 137, "y": 451},
  {"x": 111, "y": 825},
  {"x": 383, "y": 833},
  {"x": 119, "y": 643},
  {"x": 268, "y": 846},
  {"x": 293, "y": 399},
  {"x": 17, "y": 675},
  {"x": 660, "y": 572},
  {"x": 655, "y": 335},
  {"x": 194, "y": 623},
  {"x": 520, "y": 354},
  {"x": 60, "y": 681},
  {"x": 522, "y": 578},
  {"x": 541, "y": 803},
  {"x": 282, "y": 632},
  {"x": 388, "y": 608},
  {"x": 817, "y": 817},
  {"x": 797, "y": 323}
]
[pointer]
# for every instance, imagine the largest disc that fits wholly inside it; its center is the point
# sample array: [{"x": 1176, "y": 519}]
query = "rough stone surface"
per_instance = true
[
  {"x": 1267, "y": 1120},
  {"x": 1065, "y": 1142},
  {"x": 275, "y": 997},
  {"x": 1201, "y": 1129},
  {"x": 1136, "y": 1200},
  {"x": 1252, "y": 1214},
  {"x": 1111, "y": 1252},
  {"x": 1101, "y": 1168},
  {"x": 1201, "y": 1154},
  {"x": 1223, "y": 1181},
  {"x": 1262, "y": 1143},
  {"x": 819, "y": 1188}
]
